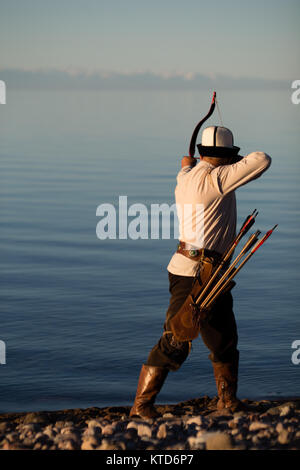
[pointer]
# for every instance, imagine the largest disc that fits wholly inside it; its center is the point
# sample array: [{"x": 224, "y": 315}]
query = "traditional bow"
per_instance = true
[{"x": 197, "y": 128}]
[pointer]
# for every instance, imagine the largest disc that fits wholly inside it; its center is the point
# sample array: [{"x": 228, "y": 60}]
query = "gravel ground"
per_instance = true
[{"x": 190, "y": 425}]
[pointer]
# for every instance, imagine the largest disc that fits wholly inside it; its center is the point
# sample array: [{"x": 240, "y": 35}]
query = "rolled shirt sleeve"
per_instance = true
[{"x": 184, "y": 170}]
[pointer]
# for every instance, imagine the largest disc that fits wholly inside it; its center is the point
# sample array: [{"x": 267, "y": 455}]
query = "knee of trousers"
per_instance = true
[
  {"x": 169, "y": 353},
  {"x": 177, "y": 351}
]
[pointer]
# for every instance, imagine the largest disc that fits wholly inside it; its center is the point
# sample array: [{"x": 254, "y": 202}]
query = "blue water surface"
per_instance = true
[{"x": 78, "y": 314}]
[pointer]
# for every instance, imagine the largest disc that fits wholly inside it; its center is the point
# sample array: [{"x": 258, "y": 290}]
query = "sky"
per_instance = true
[{"x": 236, "y": 38}]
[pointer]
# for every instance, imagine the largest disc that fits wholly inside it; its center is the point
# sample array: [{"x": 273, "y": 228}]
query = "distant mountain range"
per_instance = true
[{"x": 77, "y": 80}]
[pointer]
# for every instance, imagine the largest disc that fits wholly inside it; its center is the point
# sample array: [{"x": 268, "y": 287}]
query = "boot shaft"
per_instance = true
[
  {"x": 226, "y": 375},
  {"x": 149, "y": 385}
]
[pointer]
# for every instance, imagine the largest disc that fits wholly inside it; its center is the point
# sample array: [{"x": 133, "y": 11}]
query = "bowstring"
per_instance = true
[{"x": 219, "y": 112}]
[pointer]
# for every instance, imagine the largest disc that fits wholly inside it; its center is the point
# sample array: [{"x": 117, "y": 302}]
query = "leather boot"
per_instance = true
[
  {"x": 226, "y": 375},
  {"x": 150, "y": 382}
]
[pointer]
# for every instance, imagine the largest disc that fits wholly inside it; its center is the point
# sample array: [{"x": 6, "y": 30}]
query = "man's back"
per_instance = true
[{"x": 206, "y": 205}]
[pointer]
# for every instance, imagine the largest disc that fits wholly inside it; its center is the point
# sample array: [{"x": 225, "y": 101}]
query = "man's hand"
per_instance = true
[{"x": 188, "y": 161}]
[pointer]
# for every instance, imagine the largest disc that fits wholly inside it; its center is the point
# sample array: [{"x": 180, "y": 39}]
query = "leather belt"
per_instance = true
[{"x": 198, "y": 254}]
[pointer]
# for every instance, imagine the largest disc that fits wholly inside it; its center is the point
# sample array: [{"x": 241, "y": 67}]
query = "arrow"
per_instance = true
[
  {"x": 258, "y": 245},
  {"x": 248, "y": 245},
  {"x": 247, "y": 224}
]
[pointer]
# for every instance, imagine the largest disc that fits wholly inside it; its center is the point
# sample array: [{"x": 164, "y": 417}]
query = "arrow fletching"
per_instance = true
[{"x": 265, "y": 237}]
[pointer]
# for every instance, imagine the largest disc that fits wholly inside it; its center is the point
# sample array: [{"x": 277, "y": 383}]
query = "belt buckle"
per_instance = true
[{"x": 193, "y": 253}]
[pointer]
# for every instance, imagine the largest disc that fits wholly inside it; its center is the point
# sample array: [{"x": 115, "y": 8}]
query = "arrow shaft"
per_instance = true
[
  {"x": 229, "y": 270},
  {"x": 246, "y": 225},
  {"x": 223, "y": 287},
  {"x": 210, "y": 299}
]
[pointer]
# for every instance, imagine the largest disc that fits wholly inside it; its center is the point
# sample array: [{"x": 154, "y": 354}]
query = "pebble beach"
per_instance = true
[{"x": 191, "y": 425}]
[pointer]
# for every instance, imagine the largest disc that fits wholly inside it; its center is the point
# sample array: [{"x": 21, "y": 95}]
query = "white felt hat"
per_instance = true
[{"x": 217, "y": 142}]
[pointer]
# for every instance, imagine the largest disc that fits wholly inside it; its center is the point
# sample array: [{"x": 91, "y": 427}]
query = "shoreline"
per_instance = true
[{"x": 190, "y": 425}]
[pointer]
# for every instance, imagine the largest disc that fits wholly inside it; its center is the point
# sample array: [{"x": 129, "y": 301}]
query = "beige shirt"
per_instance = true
[{"x": 206, "y": 205}]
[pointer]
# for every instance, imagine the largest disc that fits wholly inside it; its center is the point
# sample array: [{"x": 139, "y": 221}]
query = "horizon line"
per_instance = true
[{"x": 76, "y": 78}]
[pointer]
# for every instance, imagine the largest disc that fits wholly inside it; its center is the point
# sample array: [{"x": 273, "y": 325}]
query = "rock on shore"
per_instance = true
[{"x": 190, "y": 425}]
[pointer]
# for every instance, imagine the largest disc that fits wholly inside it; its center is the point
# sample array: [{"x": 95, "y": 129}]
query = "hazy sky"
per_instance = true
[{"x": 257, "y": 38}]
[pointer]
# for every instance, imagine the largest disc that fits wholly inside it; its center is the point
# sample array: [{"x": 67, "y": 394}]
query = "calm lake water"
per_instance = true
[{"x": 79, "y": 315}]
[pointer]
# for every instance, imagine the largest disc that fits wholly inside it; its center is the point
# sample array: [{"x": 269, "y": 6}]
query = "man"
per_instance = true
[{"x": 208, "y": 189}]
